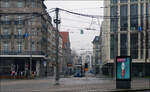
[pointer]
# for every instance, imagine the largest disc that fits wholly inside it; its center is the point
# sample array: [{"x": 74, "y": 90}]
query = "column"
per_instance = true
[
  {"x": 149, "y": 33},
  {"x": 37, "y": 68},
  {"x": 139, "y": 33},
  {"x": 128, "y": 27},
  {"x": 118, "y": 30},
  {"x": 144, "y": 28}
]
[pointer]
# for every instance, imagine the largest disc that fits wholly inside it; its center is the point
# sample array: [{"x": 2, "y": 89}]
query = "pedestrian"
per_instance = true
[
  {"x": 13, "y": 74},
  {"x": 32, "y": 74},
  {"x": 21, "y": 73}
]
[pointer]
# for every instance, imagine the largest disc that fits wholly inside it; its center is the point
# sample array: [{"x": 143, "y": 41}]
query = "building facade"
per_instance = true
[
  {"x": 126, "y": 32},
  {"x": 67, "y": 60},
  {"x": 86, "y": 58},
  {"x": 96, "y": 54},
  {"x": 27, "y": 38}
]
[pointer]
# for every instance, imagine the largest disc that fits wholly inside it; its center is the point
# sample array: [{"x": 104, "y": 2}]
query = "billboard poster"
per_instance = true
[{"x": 123, "y": 66}]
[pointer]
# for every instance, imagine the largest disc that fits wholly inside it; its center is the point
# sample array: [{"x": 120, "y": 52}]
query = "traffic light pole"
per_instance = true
[{"x": 57, "y": 21}]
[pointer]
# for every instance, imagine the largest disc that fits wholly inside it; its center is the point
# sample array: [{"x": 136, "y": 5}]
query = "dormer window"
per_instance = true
[{"x": 20, "y": 4}]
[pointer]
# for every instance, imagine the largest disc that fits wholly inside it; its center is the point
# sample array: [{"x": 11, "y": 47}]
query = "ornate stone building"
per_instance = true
[{"x": 27, "y": 38}]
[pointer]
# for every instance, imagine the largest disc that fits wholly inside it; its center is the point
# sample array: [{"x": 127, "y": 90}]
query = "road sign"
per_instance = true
[
  {"x": 26, "y": 35},
  {"x": 140, "y": 28}
]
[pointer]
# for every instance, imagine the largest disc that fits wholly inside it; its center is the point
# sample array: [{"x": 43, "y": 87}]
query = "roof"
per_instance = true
[
  {"x": 96, "y": 39},
  {"x": 65, "y": 37}
]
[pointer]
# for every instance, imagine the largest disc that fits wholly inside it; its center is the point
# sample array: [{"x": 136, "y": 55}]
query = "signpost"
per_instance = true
[{"x": 123, "y": 72}]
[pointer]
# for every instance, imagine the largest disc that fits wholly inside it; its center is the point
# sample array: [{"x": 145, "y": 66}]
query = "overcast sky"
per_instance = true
[{"x": 74, "y": 23}]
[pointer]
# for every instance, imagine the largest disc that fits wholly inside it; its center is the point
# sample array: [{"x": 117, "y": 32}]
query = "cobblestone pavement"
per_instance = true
[{"x": 72, "y": 84}]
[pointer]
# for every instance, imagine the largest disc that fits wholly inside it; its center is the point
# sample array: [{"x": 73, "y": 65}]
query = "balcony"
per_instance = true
[
  {"x": 19, "y": 36},
  {"x": 2, "y": 52},
  {"x": 5, "y": 36},
  {"x": 5, "y": 22},
  {"x": 19, "y": 22}
]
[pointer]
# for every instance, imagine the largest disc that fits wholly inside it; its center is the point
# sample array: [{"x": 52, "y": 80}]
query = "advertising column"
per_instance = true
[{"x": 123, "y": 72}]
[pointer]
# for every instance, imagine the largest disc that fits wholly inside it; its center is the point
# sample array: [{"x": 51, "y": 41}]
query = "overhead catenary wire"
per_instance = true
[{"x": 90, "y": 16}]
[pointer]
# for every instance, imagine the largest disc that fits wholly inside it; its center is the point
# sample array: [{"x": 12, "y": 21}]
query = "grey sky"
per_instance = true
[{"x": 74, "y": 23}]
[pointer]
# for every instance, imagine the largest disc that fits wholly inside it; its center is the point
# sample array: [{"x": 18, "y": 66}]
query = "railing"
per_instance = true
[
  {"x": 5, "y": 36},
  {"x": 2, "y": 52},
  {"x": 19, "y": 36},
  {"x": 19, "y": 22},
  {"x": 5, "y": 22}
]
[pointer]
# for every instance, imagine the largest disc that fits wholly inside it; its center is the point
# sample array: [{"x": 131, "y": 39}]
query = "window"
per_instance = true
[
  {"x": 114, "y": 1},
  {"x": 6, "y": 47},
  {"x": 19, "y": 20},
  {"x": 5, "y": 31},
  {"x": 123, "y": 45},
  {"x": 142, "y": 45},
  {"x": 19, "y": 47},
  {"x": 134, "y": 17},
  {"x": 147, "y": 15},
  {"x": 134, "y": 45},
  {"x": 6, "y": 18},
  {"x": 112, "y": 46},
  {"x": 114, "y": 20},
  {"x": 33, "y": 46},
  {"x": 6, "y": 4},
  {"x": 123, "y": 1},
  {"x": 20, "y": 4},
  {"x": 142, "y": 15},
  {"x": 33, "y": 4},
  {"x": 33, "y": 32},
  {"x": 133, "y": 0},
  {"x": 19, "y": 31},
  {"x": 123, "y": 17}
]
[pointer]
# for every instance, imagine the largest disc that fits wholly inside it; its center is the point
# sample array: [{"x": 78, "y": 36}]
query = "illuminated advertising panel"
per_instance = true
[{"x": 123, "y": 68}]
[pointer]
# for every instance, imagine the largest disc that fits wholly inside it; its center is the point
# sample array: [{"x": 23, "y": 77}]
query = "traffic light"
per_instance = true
[
  {"x": 81, "y": 31},
  {"x": 86, "y": 65}
]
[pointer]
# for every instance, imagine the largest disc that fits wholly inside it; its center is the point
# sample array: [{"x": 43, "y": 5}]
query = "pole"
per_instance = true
[{"x": 57, "y": 44}]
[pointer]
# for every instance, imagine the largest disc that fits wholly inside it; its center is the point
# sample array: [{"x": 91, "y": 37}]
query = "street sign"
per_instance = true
[
  {"x": 26, "y": 35},
  {"x": 140, "y": 28}
]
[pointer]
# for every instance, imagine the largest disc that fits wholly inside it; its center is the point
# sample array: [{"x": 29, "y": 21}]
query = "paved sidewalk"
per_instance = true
[{"x": 71, "y": 85}]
